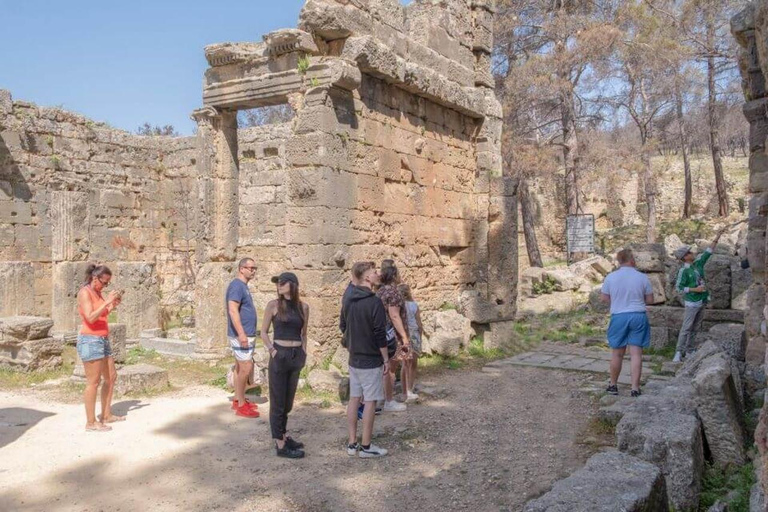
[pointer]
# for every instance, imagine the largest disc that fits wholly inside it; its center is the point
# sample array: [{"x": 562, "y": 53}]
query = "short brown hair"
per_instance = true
[
  {"x": 624, "y": 256},
  {"x": 360, "y": 268}
]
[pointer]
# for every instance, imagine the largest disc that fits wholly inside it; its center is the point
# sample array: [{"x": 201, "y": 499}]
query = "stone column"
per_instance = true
[
  {"x": 70, "y": 225},
  {"x": 218, "y": 218}
]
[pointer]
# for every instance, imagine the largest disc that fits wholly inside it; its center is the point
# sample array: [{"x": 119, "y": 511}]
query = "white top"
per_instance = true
[{"x": 627, "y": 287}]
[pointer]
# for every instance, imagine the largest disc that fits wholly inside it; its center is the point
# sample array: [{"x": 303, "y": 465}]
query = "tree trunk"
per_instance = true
[
  {"x": 529, "y": 226},
  {"x": 687, "y": 205},
  {"x": 650, "y": 194},
  {"x": 714, "y": 124},
  {"x": 570, "y": 153}
]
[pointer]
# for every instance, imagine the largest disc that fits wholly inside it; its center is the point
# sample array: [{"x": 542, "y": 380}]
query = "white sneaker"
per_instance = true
[
  {"x": 678, "y": 357},
  {"x": 372, "y": 452},
  {"x": 394, "y": 406},
  {"x": 352, "y": 449},
  {"x": 412, "y": 397}
]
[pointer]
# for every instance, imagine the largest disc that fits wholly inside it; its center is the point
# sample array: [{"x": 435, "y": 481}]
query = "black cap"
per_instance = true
[{"x": 286, "y": 277}]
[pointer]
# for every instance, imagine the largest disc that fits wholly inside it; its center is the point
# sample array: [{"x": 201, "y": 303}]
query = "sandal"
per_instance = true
[
  {"x": 112, "y": 419},
  {"x": 98, "y": 427}
]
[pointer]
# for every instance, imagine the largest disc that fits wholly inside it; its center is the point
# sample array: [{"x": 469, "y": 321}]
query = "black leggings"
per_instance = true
[{"x": 284, "y": 370}]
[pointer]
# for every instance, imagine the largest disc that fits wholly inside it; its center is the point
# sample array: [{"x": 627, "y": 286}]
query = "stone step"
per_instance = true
[{"x": 169, "y": 346}]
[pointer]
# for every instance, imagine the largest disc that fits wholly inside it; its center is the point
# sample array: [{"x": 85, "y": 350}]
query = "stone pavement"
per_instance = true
[{"x": 574, "y": 358}]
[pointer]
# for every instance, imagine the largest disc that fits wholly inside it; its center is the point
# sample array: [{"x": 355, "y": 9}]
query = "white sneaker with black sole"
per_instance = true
[
  {"x": 352, "y": 449},
  {"x": 372, "y": 452},
  {"x": 394, "y": 406}
]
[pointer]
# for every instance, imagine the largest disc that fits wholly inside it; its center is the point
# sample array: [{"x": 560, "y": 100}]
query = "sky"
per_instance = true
[{"x": 125, "y": 62}]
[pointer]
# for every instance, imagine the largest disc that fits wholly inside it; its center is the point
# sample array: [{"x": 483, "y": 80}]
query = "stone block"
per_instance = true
[
  {"x": 672, "y": 442},
  {"x": 25, "y": 344},
  {"x": 6, "y": 102},
  {"x": 17, "y": 288},
  {"x": 118, "y": 341},
  {"x": 141, "y": 378},
  {"x": 68, "y": 278},
  {"x": 741, "y": 280},
  {"x": 140, "y": 307},
  {"x": 500, "y": 335},
  {"x": 325, "y": 380},
  {"x": 717, "y": 275},
  {"x": 596, "y": 302},
  {"x": 448, "y": 333},
  {"x": 729, "y": 338},
  {"x": 649, "y": 257},
  {"x": 658, "y": 282},
  {"x": 719, "y": 410},
  {"x": 341, "y": 359},
  {"x": 608, "y": 482},
  {"x": 70, "y": 224},
  {"x": 210, "y": 317},
  {"x": 659, "y": 337},
  {"x": 564, "y": 279}
]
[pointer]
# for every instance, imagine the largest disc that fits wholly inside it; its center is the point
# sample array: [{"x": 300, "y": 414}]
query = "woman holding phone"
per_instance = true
[{"x": 93, "y": 345}]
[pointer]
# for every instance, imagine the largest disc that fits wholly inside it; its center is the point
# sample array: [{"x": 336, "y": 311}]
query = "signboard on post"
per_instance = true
[{"x": 580, "y": 234}]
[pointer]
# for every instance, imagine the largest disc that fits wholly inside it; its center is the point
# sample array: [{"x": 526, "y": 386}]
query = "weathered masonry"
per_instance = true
[{"x": 393, "y": 152}]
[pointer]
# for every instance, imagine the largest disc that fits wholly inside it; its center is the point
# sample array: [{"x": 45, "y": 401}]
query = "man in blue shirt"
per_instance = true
[
  {"x": 241, "y": 332},
  {"x": 628, "y": 291}
]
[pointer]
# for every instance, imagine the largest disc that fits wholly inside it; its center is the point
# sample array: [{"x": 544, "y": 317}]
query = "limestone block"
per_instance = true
[
  {"x": 325, "y": 380},
  {"x": 25, "y": 344},
  {"x": 717, "y": 276},
  {"x": 658, "y": 282},
  {"x": 530, "y": 277},
  {"x": 70, "y": 223},
  {"x": 500, "y": 336},
  {"x": 117, "y": 339},
  {"x": 483, "y": 73},
  {"x": 448, "y": 333},
  {"x": 672, "y": 243},
  {"x": 341, "y": 359},
  {"x": 649, "y": 257},
  {"x": 210, "y": 317},
  {"x": 758, "y": 172},
  {"x": 564, "y": 279},
  {"x": 68, "y": 278},
  {"x": 25, "y": 328},
  {"x": 741, "y": 280},
  {"x": 374, "y": 58},
  {"x": 673, "y": 443},
  {"x": 6, "y": 102},
  {"x": 596, "y": 302},
  {"x": 141, "y": 378},
  {"x": 608, "y": 482},
  {"x": 331, "y": 20},
  {"x": 730, "y": 338},
  {"x": 290, "y": 40},
  {"x": 719, "y": 410},
  {"x": 17, "y": 288},
  {"x": 692, "y": 363},
  {"x": 140, "y": 307},
  {"x": 659, "y": 337}
]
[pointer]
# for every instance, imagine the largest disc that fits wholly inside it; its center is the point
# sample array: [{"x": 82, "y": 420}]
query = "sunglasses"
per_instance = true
[{"x": 103, "y": 283}]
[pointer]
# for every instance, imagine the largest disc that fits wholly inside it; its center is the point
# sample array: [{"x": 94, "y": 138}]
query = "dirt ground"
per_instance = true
[{"x": 482, "y": 441}]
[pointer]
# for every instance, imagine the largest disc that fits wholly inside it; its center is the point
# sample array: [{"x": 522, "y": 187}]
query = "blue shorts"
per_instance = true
[
  {"x": 91, "y": 348},
  {"x": 629, "y": 329}
]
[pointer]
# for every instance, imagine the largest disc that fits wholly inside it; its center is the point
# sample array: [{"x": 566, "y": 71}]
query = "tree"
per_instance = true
[
  {"x": 265, "y": 115},
  {"x": 157, "y": 130}
]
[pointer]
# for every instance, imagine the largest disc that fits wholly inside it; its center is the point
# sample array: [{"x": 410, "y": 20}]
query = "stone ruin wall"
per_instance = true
[
  {"x": 751, "y": 31},
  {"x": 73, "y": 191},
  {"x": 393, "y": 151}
]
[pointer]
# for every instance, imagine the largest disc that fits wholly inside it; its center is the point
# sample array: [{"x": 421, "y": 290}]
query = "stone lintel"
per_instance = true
[
  {"x": 221, "y": 54},
  {"x": 289, "y": 40},
  {"x": 274, "y": 88}
]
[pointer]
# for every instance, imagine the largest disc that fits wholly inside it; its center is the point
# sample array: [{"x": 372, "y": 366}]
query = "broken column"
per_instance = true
[{"x": 210, "y": 314}]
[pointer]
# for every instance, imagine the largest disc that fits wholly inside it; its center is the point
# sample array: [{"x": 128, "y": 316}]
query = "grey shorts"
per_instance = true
[{"x": 367, "y": 383}]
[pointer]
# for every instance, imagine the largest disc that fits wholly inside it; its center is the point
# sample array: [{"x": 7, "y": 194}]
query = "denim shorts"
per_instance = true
[{"x": 91, "y": 348}]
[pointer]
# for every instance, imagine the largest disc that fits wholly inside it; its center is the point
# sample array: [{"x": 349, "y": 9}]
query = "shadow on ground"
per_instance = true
[{"x": 15, "y": 421}]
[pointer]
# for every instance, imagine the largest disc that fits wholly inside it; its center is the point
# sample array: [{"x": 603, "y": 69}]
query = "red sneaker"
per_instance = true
[
  {"x": 247, "y": 402},
  {"x": 246, "y": 411}
]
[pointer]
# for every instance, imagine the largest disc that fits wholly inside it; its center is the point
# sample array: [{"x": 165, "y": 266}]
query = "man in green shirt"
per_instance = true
[{"x": 690, "y": 282}]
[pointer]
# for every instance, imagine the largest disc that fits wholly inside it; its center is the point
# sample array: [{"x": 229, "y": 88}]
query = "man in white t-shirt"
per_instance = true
[{"x": 628, "y": 291}]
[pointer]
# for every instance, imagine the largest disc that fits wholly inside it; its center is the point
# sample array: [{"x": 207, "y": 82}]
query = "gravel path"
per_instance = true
[{"x": 482, "y": 441}]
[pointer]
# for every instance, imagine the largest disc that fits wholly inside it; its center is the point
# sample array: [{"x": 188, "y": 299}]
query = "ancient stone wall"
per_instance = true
[
  {"x": 751, "y": 31},
  {"x": 73, "y": 191},
  {"x": 394, "y": 152}
]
